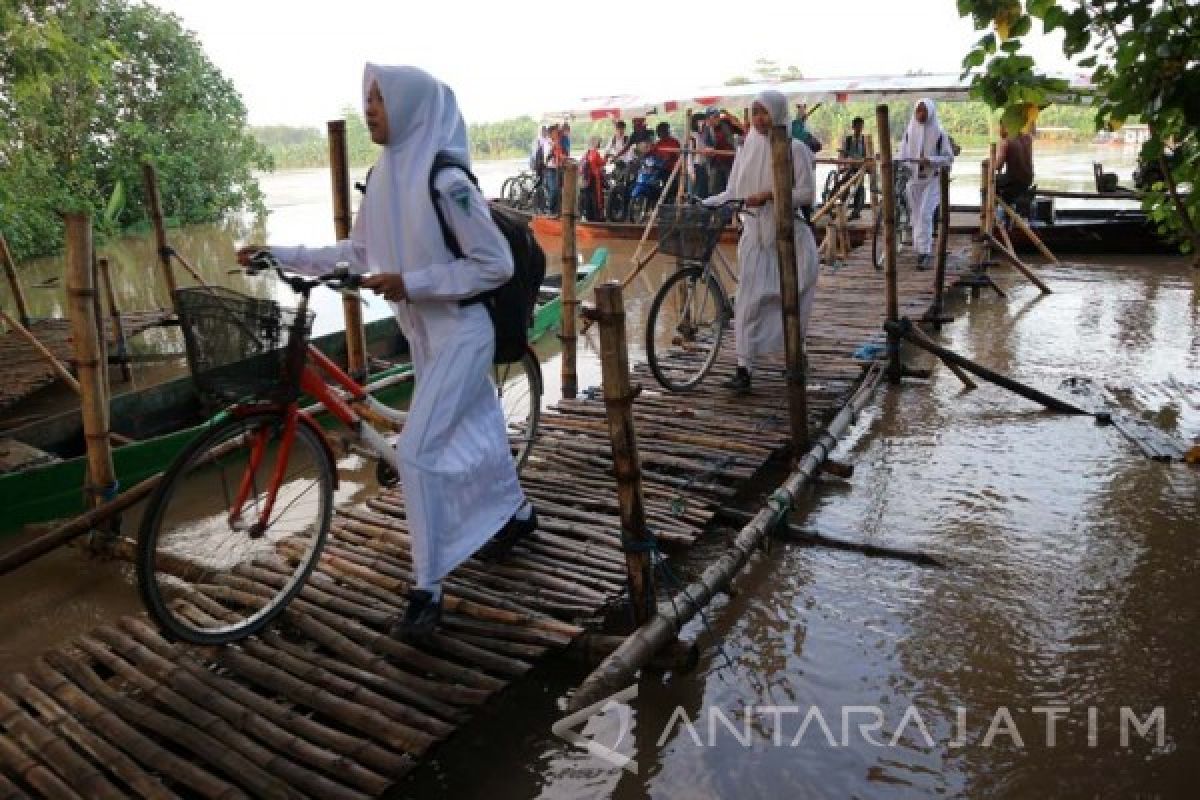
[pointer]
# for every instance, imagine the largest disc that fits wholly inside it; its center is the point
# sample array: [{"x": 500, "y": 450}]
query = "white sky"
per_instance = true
[{"x": 300, "y": 63}]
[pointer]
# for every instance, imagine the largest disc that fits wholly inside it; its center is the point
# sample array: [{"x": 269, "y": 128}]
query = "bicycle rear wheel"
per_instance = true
[
  {"x": 687, "y": 322},
  {"x": 195, "y": 561},
  {"x": 519, "y": 386}
]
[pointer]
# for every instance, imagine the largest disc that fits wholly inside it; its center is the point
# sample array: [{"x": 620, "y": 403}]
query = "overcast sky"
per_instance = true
[{"x": 300, "y": 63}]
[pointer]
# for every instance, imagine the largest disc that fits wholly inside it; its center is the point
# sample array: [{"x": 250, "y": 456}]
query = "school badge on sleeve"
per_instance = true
[{"x": 461, "y": 196}]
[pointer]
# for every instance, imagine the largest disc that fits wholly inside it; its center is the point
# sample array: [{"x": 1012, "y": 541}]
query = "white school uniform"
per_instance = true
[
  {"x": 758, "y": 312},
  {"x": 933, "y": 143},
  {"x": 458, "y": 476}
]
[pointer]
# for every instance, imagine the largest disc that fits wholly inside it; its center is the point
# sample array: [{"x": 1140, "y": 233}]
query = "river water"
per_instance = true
[{"x": 1069, "y": 592}]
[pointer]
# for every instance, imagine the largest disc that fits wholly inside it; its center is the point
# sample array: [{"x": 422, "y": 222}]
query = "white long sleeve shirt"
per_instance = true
[{"x": 485, "y": 265}]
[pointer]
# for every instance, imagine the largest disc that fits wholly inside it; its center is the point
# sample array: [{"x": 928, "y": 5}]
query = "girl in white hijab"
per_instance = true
[
  {"x": 458, "y": 477},
  {"x": 927, "y": 144},
  {"x": 758, "y": 315}
]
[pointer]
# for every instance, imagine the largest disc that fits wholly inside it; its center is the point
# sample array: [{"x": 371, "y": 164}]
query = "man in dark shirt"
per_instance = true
[
  {"x": 1014, "y": 165},
  {"x": 855, "y": 146},
  {"x": 718, "y": 136}
]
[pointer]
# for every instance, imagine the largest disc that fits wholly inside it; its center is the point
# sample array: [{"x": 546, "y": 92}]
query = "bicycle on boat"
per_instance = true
[
  {"x": 254, "y": 494},
  {"x": 691, "y": 311},
  {"x": 525, "y": 191}
]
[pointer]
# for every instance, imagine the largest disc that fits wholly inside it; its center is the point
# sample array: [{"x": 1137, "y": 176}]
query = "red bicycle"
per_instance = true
[{"x": 239, "y": 520}]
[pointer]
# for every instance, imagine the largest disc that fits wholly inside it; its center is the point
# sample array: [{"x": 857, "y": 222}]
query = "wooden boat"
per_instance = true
[
  {"x": 1097, "y": 231},
  {"x": 595, "y": 232},
  {"x": 164, "y": 418}
]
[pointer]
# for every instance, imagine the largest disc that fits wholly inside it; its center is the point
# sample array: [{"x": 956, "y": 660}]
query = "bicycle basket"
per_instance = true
[
  {"x": 237, "y": 345},
  {"x": 689, "y": 232}
]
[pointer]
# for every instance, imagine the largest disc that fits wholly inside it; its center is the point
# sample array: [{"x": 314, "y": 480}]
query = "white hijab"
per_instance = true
[
  {"x": 921, "y": 140},
  {"x": 751, "y": 172},
  {"x": 397, "y": 219}
]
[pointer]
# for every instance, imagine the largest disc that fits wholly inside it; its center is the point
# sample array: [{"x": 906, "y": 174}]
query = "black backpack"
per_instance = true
[{"x": 511, "y": 305}]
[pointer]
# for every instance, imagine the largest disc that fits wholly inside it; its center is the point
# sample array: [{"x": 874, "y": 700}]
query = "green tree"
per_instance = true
[
  {"x": 89, "y": 89},
  {"x": 1145, "y": 62}
]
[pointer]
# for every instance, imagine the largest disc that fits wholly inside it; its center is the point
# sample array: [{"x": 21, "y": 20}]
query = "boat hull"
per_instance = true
[{"x": 165, "y": 418}]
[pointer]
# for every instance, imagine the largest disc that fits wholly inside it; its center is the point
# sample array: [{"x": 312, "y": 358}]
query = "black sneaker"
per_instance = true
[
  {"x": 421, "y": 617},
  {"x": 506, "y": 539},
  {"x": 923, "y": 261},
  {"x": 740, "y": 382}
]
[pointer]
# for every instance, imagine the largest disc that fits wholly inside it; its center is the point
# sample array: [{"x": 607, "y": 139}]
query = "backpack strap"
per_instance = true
[{"x": 441, "y": 161}]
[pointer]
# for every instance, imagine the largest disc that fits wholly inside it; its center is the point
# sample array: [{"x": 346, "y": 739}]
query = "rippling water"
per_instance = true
[
  {"x": 1072, "y": 567},
  {"x": 1071, "y": 579}
]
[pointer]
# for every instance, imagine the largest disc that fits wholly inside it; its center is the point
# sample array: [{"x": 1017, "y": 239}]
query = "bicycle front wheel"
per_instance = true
[
  {"x": 687, "y": 322},
  {"x": 519, "y": 386},
  {"x": 212, "y": 567}
]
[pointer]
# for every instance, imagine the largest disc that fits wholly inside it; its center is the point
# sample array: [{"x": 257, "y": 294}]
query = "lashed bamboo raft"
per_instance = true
[
  {"x": 327, "y": 704},
  {"x": 23, "y": 370}
]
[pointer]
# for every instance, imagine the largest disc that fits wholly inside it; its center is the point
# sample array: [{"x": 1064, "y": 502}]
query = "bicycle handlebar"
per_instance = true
[{"x": 341, "y": 279}]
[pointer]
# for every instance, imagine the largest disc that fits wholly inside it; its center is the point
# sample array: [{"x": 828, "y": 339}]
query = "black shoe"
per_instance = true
[
  {"x": 740, "y": 382},
  {"x": 421, "y": 618},
  {"x": 923, "y": 261},
  {"x": 507, "y": 538},
  {"x": 855, "y": 215}
]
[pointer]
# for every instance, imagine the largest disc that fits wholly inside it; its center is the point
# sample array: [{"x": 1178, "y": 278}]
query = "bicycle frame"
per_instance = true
[{"x": 315, "y": 368}]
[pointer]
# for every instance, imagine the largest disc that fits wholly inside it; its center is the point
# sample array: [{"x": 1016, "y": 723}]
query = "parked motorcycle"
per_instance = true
[
  {"x": 651, "y": 178},
  {"x": 616, "y": 201}
]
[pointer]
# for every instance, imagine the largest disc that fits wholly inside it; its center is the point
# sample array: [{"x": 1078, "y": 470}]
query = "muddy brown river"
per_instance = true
[{"x": 1054, "y": 655}]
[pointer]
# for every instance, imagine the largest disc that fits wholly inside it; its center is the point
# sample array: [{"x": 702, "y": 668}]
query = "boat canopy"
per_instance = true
[{"x": 871, "y": 88}]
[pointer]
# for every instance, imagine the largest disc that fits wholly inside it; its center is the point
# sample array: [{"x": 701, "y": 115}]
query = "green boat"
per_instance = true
[{"x": 164, "y": 418}]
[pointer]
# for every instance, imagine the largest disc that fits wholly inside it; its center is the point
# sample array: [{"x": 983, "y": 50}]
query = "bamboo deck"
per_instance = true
[
  {"x": 23, "y": 370},
  {"x": 326, "y": 704}
]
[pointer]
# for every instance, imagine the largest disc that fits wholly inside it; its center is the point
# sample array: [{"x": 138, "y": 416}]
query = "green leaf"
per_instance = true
[
  {"x": 1021, "y": 26},
  {"x": 116, "y": 203}
]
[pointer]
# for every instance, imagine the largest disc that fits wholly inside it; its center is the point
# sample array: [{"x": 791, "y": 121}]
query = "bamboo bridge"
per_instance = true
[{"x": 326, "y": 704}]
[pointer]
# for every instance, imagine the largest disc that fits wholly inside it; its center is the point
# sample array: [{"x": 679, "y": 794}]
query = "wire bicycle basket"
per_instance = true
[
  {"x": 689, "y": 232},
  {"x": 237, "y": 345}
]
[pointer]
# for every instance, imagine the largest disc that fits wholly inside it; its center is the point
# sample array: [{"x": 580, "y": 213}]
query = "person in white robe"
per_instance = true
[
  {"x": 926, "y": 147},
  {"x": 758, "y": 314},
  {"x": 459, "y": 480}
]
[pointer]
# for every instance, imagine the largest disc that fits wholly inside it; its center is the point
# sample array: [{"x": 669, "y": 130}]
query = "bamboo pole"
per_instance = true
[
  {"x": 919, "y": 335},
  {"x": 1185, "y": 218},
  {"x": 40, "y": 777},
  {"x": 991, "y": 186},
  {"x": 981, "y": 254},
  {"x": 36, "y": 738},
  {"x": 114, "y": 313},
  {"x": 789, "y": 285},
  {"x": 636, "y": 259},
  {"x": 891, "y": 291},
  {"x": 636, "y": 539},
  {"x": 1020, "y": 222},
  {"x": 112, "y": 726},
  {"x": 569, "y": 303},
  {"x": 839, "y": 195},
  {"x": 175, "y": 690},
  {"x": 904, "y": 329},
  {"x": 99, "y": 749},
  {"x": 202, "y": 744},
  {"x": 1011, "y": 258},
  {"x": 943, "y": 243},
  {"x": 339, "y": 173},
  {"x": 63, "y": 373},
  {"x": 619, "y": 668},
  {"x": 88, "y": 362},
  {"x": 10, "y": 270},
  {"x": 154, "y": 206}
]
